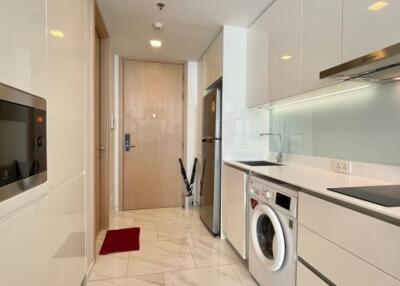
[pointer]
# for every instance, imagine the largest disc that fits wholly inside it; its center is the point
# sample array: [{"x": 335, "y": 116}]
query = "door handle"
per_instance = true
[
  {"x": 127, "y": 144},
  {"x": 101, "y": 148},
  {"x": 128, "y": 147}
]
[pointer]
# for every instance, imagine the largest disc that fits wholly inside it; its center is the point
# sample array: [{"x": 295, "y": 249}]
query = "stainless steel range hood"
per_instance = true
[{"x": 379, "y": 67}]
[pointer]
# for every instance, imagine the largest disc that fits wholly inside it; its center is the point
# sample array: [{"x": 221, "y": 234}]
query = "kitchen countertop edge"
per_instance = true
[{"x": 295, "y": 174}]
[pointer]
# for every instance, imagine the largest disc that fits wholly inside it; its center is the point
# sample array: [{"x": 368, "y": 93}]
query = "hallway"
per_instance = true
[{"x": 176, "y": 249}]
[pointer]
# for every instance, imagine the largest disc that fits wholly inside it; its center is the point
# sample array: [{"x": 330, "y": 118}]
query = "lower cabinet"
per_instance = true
[
  {"x": 234, "y": 209},
  {"x": 306, "y": 277},
  {"x": 347, "y": 247}
]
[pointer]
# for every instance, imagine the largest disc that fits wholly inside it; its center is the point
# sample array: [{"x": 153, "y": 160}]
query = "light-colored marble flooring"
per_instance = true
[{"x": 175, "y": 249}]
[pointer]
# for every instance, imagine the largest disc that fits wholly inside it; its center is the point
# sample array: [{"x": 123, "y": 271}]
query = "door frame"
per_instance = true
[
  {"x": 119, "y": 80},
  {"x": 105, "y": 95}
]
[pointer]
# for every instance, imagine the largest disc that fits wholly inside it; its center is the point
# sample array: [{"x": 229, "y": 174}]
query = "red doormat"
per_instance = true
[{"x": 121, "y": 240}]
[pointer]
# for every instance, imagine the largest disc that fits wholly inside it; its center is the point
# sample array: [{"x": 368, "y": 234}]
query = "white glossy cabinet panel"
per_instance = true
[
  {"x": 370, "y": 239},
  {"x": 42, "y": 232},
  {"x": 365, "y": 31},
  {"x": 23, "y": 49},
  {"x": 257, "y": 63},
  {"x": 218, "y": 57},
  {"x": 283, "y": 20},
  {"x": 322, "y": 39},
  {"x": 234, "y": 211},
  {"x": 338, "y": 265},
  {"x": 214, "y": 60},
  {"x": 208, "y": 59},
  {"x": 307, "y": 278}
]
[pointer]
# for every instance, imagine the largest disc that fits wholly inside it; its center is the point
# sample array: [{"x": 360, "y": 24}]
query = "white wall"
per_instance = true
[
  {"x": 191, "y": 115},
  {"x": 42, "y": 232}
]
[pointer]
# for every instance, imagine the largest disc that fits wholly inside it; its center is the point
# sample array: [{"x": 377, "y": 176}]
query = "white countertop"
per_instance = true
[{"x": 318, "y": 181}]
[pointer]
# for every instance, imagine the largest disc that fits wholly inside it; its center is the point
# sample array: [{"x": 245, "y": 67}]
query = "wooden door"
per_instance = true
[
  {"x": 153, "y": 103},
  {"x": 97, "y": 134}
]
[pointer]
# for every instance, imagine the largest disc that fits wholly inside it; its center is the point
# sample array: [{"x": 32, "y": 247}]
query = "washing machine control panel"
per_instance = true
[{"x": 275, "y": 195}]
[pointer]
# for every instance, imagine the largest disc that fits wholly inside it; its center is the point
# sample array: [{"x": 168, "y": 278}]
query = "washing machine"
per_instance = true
[{"x": 272, "y": 232}]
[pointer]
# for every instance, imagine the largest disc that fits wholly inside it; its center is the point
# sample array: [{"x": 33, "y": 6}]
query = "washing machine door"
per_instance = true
[{"x": 267, "y": 237}]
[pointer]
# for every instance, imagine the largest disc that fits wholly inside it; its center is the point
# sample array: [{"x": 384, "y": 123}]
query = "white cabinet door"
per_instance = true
[
  {"x": 284, "y": 61},
  {"x": 307, "y": 278},
  {"x": 218, "y": 48},
  {"x": 208, "y": 67},
  {"x": 366, "y": 29},
  {"x": 214, "y": 60},
  {"x": 234, "y": 184},
  {"x": 257, "y": 63},
  {"x": 321, "y": 38}
]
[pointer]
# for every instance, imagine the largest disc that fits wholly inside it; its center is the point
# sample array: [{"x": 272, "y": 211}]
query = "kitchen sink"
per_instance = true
[{"x": 259, "y": 163}]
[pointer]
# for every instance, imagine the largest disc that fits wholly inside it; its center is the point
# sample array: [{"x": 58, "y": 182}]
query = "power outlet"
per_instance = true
[{"x": 341, "y": 166}]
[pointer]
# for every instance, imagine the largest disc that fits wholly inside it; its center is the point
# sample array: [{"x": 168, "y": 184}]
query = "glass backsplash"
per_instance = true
[{"x": 362, "y": 125}]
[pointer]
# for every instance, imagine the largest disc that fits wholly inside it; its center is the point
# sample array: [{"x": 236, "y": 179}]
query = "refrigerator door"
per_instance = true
[
  {"x": 212, "y": 114},
  {"x": 210, "y": 194}
]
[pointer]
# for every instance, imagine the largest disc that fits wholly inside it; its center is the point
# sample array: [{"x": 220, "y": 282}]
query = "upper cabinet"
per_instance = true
[
  {"x": 283, "y": 22},
  {"x": 257, "y": 63},
  {"x": 369, "y": 25},
  {"x": 322, "y": 39},
  {"x": 294, "y": 40},
  {"x": 214, "y": 60}
]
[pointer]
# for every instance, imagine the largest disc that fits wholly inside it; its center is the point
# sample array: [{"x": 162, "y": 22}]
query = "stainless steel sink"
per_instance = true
[{"x": 259, "y": 163}]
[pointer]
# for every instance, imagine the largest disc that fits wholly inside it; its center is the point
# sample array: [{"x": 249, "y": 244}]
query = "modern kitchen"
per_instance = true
[{"x": 215, "y": 143}]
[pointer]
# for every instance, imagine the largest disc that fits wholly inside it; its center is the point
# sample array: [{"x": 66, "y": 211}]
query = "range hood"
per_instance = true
[{"x": 379, "y": 67}]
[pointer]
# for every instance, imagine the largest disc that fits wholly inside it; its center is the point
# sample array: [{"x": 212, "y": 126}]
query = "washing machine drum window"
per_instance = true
[{"x": 268, "y": 238}]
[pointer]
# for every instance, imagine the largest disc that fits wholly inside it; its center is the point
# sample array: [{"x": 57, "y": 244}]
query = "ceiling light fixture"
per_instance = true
[
  {"x": 57, "y": 34},
  {"x": 378, "y": 6},
  {"x": 156, "y": 43},
  {"x": 396, "y": 78},
  {"x": 286, "y": 57}
]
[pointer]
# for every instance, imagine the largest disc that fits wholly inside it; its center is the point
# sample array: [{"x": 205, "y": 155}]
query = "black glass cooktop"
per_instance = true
[{"x": 388, "y": 196}]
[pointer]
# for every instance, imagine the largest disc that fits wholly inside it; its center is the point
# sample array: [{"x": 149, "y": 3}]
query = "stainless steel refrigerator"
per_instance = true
[{"x": 210, "y": 183}]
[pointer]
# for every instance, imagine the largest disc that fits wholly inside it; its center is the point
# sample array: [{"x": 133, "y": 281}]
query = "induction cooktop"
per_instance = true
[{"x": 388, "y": 196}]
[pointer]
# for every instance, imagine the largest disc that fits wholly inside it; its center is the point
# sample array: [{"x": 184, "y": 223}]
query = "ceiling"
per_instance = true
[{"x": 189, "y": 25}]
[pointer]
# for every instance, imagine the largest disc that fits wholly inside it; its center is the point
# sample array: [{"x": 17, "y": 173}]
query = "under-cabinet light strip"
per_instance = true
[{"x": 318, "y": 97}]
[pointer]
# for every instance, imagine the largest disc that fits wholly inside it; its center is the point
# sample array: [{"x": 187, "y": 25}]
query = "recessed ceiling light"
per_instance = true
[
  {"x": 57, "y": 34},
  {"x": 396, "y": 78},
  {"x": 156, "y": 43},
  {"x": 286, "y": 57},
  {"x": 378, "y": 6}
]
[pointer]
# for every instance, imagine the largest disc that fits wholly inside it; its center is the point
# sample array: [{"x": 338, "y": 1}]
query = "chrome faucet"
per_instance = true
[{"x": 279, "y": 155}]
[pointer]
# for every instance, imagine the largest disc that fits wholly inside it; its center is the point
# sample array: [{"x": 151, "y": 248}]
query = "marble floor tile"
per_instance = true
[
  {"x": 174, "y": 229},
  {"x": 216, "y": 276},
  {"x": 161, "y": 263},
  {"x": 164, "y": 248},
  {"x": 156, "y": 214},
  {"x": 141, "y": 280},
  {"x": 209, "y": 251},
  {"x": 110, "y": 266},
  {"x": 243, "y": 274},
  {"x": 174, "y": 245}
]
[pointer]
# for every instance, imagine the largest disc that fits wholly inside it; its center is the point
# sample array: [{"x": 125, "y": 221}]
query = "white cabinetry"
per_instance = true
[
  {"x": 283, "y": 20},
  {"x": 257, "y": 63},
  {"x": 234, "y": 210},
  {"x": 321, "y": 38},
  {"x": 306, "y": 277},
  {"x": 214, "y": 60},
  {"x": 366, "y": 30},
  {"x": 343, "y": 244}
]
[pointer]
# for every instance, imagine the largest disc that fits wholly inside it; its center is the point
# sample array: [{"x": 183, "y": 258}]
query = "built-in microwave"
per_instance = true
[{"x": 23, "y": 151}]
